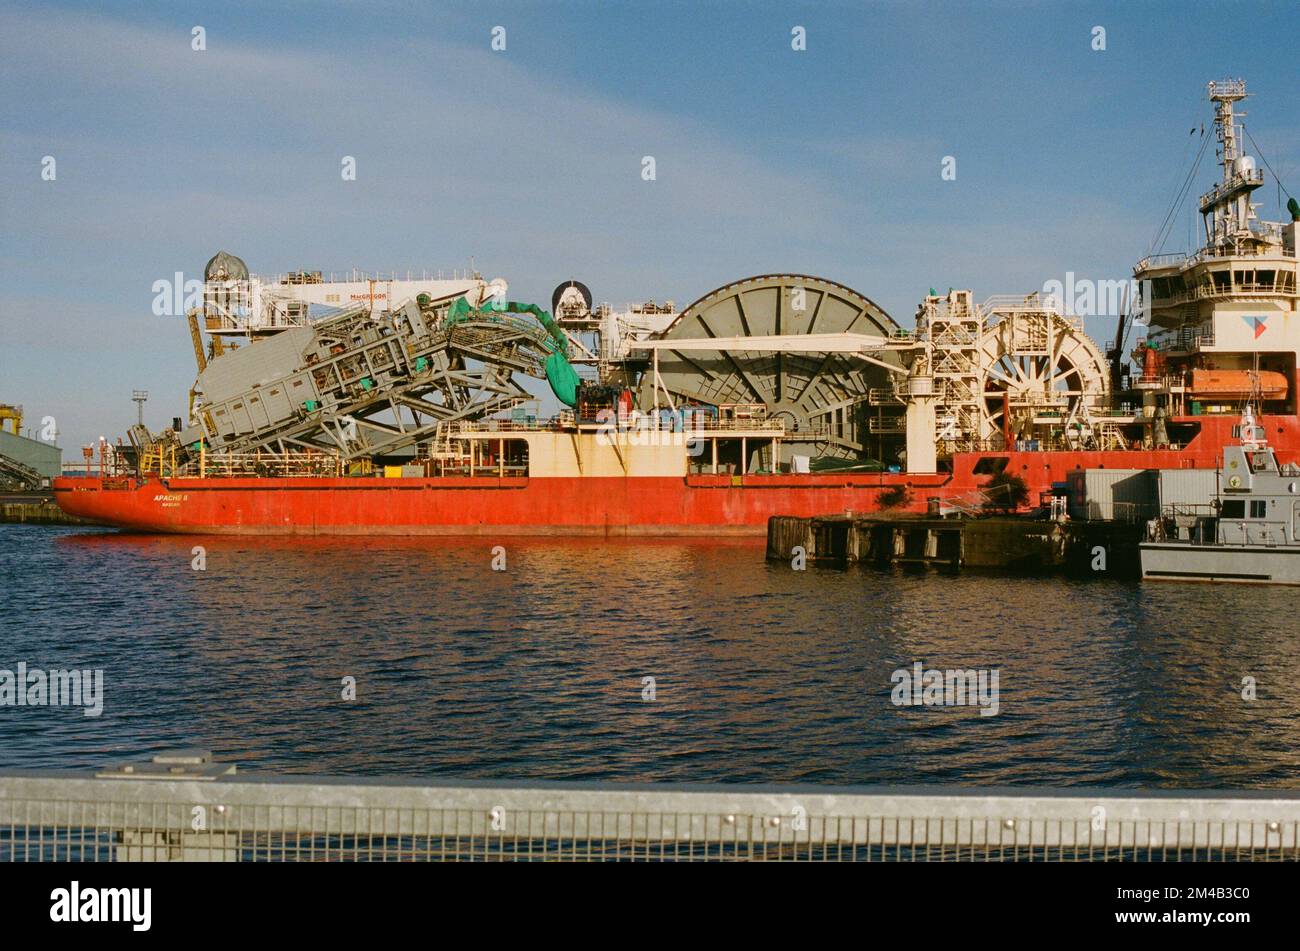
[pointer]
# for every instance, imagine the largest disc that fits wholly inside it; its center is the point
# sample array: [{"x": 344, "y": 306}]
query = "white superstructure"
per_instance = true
[
  {"x": 1223, "y": 320},
  {"x": 239, "y": 304}
]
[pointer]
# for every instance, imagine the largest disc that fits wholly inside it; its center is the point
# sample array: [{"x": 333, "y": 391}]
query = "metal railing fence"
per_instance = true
[{"x": 186, "y": 808}]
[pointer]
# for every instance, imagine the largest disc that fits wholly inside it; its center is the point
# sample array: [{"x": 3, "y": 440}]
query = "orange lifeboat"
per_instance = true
[{"x": 1229, "y": 384}]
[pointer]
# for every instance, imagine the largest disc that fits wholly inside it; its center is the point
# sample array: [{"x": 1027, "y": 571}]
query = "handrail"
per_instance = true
[
  {"x": 630, "y": 425},
  {"x": 1250, "y": 177},
  {"x": 260, "y": 464},
  {"x": 1158, "y": 260}
]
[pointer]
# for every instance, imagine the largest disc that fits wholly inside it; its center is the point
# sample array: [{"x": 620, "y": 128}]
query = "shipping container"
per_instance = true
[
  {"x": 1130, "y": 494},
  {"x": 1110, "y": 494},
  {"x": 1189, "y": 490}
]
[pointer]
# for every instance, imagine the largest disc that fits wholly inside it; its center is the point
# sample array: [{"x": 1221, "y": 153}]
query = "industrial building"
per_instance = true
[{"x": 25, "y": 463}]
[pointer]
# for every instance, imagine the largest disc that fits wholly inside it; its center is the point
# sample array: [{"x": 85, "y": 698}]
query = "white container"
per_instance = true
[
  {"x": 1109, "y": 494},
  {"x": 1186, "y": 488}
]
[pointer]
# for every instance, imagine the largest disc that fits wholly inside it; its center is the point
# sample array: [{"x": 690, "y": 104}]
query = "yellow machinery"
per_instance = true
[
  {"x": 216, "y": 349},
  {"x": 200, "y": 358},
  {"x": 160, "y": 458},
  {"x": 12, "y": 414}
]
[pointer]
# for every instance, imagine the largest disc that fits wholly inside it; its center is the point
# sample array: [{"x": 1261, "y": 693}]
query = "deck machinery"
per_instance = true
[
  {"x": 844, "y": 380},
  {"x": 360, "y": 384}
]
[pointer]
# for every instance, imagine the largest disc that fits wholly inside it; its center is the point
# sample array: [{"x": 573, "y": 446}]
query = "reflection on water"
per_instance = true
[{"x": 762, "y": 674}]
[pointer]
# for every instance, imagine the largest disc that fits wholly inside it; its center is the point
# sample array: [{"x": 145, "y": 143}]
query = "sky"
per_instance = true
[{"x": 527, "y": 161}]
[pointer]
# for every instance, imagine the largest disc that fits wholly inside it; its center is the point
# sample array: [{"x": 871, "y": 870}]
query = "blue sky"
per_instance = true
[{"x": 528, "y": 161}]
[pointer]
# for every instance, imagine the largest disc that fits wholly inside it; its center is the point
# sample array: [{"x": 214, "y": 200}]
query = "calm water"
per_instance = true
[{"x": 762, "y": 674}]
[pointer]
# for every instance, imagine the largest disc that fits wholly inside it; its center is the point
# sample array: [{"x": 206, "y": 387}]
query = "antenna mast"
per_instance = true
[{"x": 1226, "y": 207}]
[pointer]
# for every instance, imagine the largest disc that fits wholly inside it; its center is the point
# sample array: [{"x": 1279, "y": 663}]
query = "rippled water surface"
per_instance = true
[{"x": 762, "y": 674}]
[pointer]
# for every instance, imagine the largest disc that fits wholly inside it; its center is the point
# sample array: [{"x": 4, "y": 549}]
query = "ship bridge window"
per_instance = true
[
  {"x": 1258, "y": 508},
  {"x": 1164, "y": 287},
  {"x": 1234, "y": 508}
]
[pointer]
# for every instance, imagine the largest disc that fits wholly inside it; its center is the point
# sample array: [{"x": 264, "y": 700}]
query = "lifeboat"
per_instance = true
[{"x": 1241, "y": 384}]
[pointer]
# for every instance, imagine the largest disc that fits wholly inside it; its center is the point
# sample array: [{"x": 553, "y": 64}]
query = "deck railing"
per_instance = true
[
  {"x": 639, "y": 422},
  {"x": 262, "y": 464}
]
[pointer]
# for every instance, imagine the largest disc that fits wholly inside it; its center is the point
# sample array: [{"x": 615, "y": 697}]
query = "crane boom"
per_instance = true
[{"x": 196, "y": 338}]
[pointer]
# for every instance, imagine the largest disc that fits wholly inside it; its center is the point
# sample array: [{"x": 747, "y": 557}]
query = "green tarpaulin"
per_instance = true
[{"x": 559, "y": 372}]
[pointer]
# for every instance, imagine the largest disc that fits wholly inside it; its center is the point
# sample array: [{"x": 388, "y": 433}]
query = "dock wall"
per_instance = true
[
  {"x": 41, "y": 512},
  {"x": 1034, "y": 546}
]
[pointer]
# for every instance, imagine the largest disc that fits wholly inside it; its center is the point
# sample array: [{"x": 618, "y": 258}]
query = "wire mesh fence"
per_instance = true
[{"x": 206, "y": 814}]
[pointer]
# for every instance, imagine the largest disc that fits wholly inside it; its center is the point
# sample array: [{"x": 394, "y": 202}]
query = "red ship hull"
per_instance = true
[{"x": 647, "y": 505}]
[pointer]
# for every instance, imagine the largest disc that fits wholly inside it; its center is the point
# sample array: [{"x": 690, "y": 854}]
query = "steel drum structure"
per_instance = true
[
  {"x": 1036, "y": 361},
  {"x": 1007, "y": 368},
  {"x": 821, "y": 397}
]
